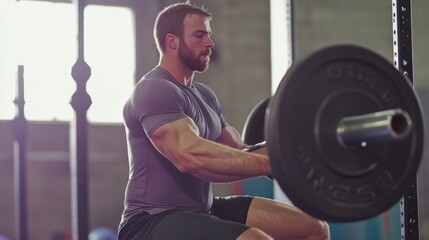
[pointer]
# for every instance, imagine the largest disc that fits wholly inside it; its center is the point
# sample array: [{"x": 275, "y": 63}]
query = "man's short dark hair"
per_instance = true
[{"x": 170, "y": 20}]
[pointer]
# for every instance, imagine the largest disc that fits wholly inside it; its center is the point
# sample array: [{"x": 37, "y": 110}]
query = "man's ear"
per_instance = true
[{"x": 172, "y": 41}]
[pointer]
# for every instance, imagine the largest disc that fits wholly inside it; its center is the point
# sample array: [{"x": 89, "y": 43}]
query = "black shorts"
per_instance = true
[{"x": 225, "y": 221}]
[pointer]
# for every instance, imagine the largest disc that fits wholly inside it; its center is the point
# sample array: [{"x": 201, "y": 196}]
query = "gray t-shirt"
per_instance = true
[{"x": 155, "y": 185}]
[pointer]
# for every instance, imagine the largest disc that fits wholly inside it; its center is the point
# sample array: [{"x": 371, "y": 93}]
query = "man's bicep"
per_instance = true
[{"x": 172, "y": 138}]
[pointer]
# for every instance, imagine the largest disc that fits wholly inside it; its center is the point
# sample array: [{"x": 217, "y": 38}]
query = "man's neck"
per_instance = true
[{"x": 179, "y": 71}]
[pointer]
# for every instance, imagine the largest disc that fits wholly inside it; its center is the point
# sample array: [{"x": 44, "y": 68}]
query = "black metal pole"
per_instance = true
[
  {"x": 20, "y": 169},
  {"x": 80, "y": 102},
  {"x": 403, "y": 61}
]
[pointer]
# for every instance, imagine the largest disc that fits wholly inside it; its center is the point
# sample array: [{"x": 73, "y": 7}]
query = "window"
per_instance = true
[{"x": 42, "y": 37}]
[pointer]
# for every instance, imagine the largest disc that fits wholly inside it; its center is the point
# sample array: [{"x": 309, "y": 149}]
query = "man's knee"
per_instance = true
[
  {"x": 254, "y": 233},
  {"x": 321, "y": 231}
]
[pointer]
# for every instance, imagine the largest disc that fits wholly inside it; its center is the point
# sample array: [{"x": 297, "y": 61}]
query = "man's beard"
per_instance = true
[{"x": 191, "y": 61}]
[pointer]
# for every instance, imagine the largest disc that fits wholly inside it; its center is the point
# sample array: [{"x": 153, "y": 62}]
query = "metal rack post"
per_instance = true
[
  {"x": 20, "y": 163},
  {"x": 403, "y": 61},
  {"x": 80, "y": 101}
]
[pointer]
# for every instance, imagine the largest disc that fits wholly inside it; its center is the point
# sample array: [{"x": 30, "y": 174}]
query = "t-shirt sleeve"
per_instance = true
[{"x": 157, "y": 103}]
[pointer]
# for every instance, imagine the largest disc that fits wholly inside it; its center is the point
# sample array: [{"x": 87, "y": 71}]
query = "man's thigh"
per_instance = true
[
  {"x": 226, "y": 221},
  {"x": 283, "y": 221},
  {"x": 187, "y": 225}
]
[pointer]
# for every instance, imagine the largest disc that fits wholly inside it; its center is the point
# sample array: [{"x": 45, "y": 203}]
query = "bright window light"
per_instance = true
[
  {"x": 281, "y": 57},
  {"x": 42, "y": 37},
  {"x": 110, "y": 51}
]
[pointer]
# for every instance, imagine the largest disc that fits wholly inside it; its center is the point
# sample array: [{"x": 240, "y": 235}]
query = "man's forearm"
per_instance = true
[{"x": 219, "y": 163}]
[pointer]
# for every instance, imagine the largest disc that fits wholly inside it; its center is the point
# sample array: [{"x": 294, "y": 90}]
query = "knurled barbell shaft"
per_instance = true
[{"x": 383, "y": 126}]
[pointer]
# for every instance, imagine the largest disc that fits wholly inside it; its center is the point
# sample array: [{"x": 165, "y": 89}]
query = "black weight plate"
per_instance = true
[
  {"x": 320, "y": 176},
  {"x": 253, "y": 130}
]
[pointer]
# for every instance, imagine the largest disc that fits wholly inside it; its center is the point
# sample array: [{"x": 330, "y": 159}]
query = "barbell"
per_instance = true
[{"x": 344, "y": 132}]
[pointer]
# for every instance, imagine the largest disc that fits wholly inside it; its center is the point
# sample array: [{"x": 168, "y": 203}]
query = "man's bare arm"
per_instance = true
[
  {"x": 232, "y": 138},
  {"x": 180, "y": 142}
]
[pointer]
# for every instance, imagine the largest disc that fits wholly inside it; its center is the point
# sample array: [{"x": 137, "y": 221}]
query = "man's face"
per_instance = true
[{"x": 196, "y": 44}]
